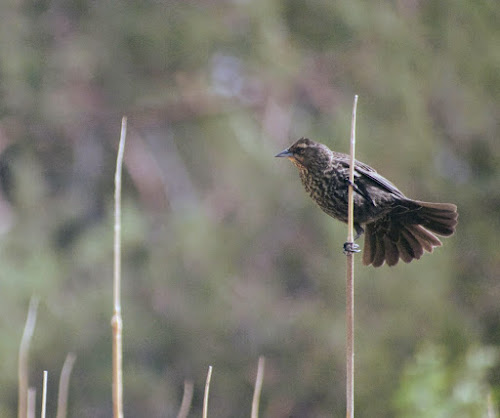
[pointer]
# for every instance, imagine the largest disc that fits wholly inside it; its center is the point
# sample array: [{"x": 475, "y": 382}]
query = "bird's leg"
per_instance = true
[
  {"x": 351, "y": 247},
  {"x": 359, "y": 231}
]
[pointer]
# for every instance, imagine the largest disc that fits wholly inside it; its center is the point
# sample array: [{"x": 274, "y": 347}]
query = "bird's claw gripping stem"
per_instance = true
[{"x": 350, "y": 248}]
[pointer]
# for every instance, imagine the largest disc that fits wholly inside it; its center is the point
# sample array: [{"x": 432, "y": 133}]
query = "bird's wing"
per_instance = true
[
  {"x": 366, "y": 171},
  {"x": 370, "y": 173}
]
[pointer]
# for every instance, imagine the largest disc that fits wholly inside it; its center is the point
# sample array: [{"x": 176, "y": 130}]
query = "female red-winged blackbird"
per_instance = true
[{"x": 394, "y": 225}]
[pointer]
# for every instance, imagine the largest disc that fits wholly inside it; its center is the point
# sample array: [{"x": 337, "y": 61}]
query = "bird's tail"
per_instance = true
[{"x": 407, "y": 231}]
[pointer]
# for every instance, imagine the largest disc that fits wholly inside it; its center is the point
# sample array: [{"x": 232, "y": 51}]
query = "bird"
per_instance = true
[{"x": 395, "y": 226}]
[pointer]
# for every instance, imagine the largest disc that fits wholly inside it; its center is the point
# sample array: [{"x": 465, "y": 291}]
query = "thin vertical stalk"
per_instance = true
[
  {"x": 350, "y": 276},
  {"x": 207, "y": 390},
  {"x": 116, "y": 321},
  {"x": 31, "y": 404},
  {"x": 187, "y": 398},
  {"x": 22, "y": 372},
  {"x": 491, "y": 407},
  {"x": 62, "y": 395},
  {"x": 258, "y": 387},
  {"x": 44, "y": 394}
]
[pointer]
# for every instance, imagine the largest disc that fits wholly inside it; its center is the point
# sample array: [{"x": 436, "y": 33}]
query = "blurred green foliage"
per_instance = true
[
  {"x": 225, "y": 257},
  {"x": 431, "y": 386}
]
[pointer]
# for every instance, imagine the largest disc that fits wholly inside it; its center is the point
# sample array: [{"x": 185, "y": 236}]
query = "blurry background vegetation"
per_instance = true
[{"x": 225, "y": 257}]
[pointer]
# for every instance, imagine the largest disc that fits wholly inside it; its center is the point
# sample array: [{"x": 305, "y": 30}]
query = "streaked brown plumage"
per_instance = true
[{"x": 395, "y": 226}]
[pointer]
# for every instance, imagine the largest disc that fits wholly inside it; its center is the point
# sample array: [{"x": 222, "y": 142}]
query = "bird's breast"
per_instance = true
[{"x": 328, "y": 190}]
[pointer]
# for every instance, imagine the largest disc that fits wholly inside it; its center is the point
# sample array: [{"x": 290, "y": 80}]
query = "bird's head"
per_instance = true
[{"x": 307, "y": 154}]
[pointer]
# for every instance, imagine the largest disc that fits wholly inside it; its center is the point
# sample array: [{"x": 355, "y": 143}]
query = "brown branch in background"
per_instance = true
[
  {"x": 207, "y": 389},
  {"x": 258, "y": 387},
  {"x": 62, "y": 397},
  {"x": 44, "y": 394},
  {"x": 350, "y": 276},
  {"x": 187, "y": 397},
  {"x": 116, "y": 321},
  {"x": 22, "y": 372},
  {"x": 31, "y": 404}
]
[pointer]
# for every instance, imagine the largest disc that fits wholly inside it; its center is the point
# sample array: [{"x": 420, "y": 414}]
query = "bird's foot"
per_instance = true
[
  {"x": 350, "y": 248},
  {"x": 359, "y": 231}
]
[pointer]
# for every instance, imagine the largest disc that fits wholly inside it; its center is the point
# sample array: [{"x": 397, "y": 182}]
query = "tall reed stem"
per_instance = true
[
  {"x": 116, "y": 321},
  {"x": 350, "y": 276}
]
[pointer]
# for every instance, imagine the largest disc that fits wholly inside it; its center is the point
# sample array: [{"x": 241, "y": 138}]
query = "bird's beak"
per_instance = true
[{"x": 285, "y": 153}]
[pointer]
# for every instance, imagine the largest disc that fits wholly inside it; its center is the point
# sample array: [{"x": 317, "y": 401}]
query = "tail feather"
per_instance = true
[
  {"x": 441, "y": 218},
  {"x": 426, "y": 238},
  {"x": 416, "y": 247},
  {"x": 379, "y": 256},
  {"x": 438, "y": 207},
  {"x": 370, "y": 245},
  {"x": 391, "y": 251},
  {"x": 438, "y": 227},
  {"x": 405, "y": 251},
  {"x": 407, "y": 234}
]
